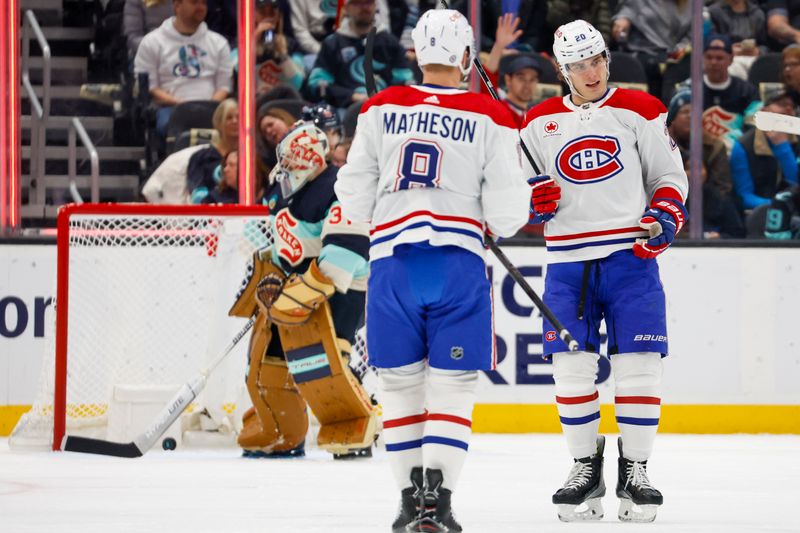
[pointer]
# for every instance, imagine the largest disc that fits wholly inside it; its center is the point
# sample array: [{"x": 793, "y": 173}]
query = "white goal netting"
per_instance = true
[{"x": 147, "y": 299}]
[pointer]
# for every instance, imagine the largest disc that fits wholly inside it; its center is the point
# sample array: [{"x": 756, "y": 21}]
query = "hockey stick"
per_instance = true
[
  {"x": 369, "y": 73},
  {"x": 171, "y": 411},
  {"x": 513, "y": 271},
  {"x": 767, "y": 121}
]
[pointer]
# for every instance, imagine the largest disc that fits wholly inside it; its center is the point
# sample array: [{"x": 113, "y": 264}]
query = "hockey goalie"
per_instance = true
[{"x": 309, "y": 287}]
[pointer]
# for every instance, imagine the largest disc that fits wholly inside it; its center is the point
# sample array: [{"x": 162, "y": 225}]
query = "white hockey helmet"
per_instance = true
[
  {"x": 576, "y": 41},
  {"x": 301, "y": 156},
  {"x": 441, "y": 37}
]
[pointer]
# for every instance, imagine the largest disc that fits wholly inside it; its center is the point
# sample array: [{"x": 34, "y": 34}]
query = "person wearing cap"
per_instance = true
[
  {"x": 521, "y": 71},
  {"x": 764, "y": 163},
  {"x": 521, "y": 76},
  {"x": 338, "y": 74},
  {"x": 721, "y": 216},
  {"x": 727, "y": 100}
]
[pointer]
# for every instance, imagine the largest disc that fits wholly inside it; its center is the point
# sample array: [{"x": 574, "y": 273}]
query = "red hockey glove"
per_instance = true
[
  {"x": 545, "y": 194},
  {"x": 663, "y": 220}
]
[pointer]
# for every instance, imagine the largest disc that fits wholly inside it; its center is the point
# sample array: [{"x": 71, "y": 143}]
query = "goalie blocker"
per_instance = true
[{"x": 296, "y": 358}]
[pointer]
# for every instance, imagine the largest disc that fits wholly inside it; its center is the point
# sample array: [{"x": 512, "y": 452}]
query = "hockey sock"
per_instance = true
[
  {"x": 577, "y": 400},
  {"x": 637, "y": 401},
  {"x": 451, "y": 398},
  {"x": 402, "y": 396}
]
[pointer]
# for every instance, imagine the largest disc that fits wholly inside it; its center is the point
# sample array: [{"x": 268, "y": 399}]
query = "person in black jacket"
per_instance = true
[
  {"x": 338, "y": 73},
  {"x": 227, "y": 191}
]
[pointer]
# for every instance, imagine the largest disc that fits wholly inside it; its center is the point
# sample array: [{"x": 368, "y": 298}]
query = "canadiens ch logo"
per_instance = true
[
  {"x": 589, "y": 159},
  {"x": 550, "y": 336},
  {"x": 551, "y": 127}
]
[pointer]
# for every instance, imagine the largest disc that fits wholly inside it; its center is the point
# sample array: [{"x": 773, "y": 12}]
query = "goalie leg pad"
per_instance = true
[
  {"x": 317, "y": 360},
  {"x": 278, "y": 421}
]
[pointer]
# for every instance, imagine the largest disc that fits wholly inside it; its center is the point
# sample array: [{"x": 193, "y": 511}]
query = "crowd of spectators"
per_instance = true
[{"x": 310, "y": 65}]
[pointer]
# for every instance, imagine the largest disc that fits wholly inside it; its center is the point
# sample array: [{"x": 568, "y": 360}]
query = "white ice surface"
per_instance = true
[{"x": 729, "y": 484}]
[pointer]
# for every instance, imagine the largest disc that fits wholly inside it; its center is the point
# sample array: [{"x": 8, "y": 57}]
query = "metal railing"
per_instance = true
[
  {"x": 76, "y": 129},
  {"x": 40, "y": 110}
]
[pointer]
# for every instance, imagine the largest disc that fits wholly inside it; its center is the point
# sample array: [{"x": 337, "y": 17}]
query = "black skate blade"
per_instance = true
[{"x": 100, "y": 447}]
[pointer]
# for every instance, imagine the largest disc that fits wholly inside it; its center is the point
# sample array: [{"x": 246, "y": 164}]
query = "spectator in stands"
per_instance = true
[
  {"x": 204, "y": 172},
  {"x": 783, "y": 22},
  {"x": 336, "y": 77},
  {"x": 222, "y": 18},
  {"x": 339, "y": 157},
  {"x": 521, "y": 76},
  {"x": 184, "y": 61},
  {"x": 227, "y": 191},
  {"x": 279, "y": 60},
  {"x": 274, "y": 122},
  {"x": 783, "y": 216},
  {"x": 596, "y": 12},
  {"x": 654, "y": 31},
  {"x": 745, "y": 23},
  {"x": 720, "y": 212},
  {"x": 740, "y": 20},
  {"x": 505, "y": 36},
  {"x": 532, "y": 15},
  {"x": 790, "y": 72},
  {"x": 727, "y": 100},
  {"x": 314, "y": 20},
  {"x": 764, "y": 163},
  {"x": 140, "y": 17}
]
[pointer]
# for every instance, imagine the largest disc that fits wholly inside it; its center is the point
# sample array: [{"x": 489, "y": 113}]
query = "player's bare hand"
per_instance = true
[
  {"x": 507, "y": 31},
  {"x": 359, "y": 97}
]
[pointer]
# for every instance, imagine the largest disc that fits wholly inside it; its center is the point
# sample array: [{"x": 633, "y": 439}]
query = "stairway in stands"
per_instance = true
[{"x": 69, "y": 37}]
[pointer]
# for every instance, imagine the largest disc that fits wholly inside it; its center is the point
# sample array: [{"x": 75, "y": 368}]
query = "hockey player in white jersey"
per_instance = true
[
  {"x": 612, "y": 196},
  {"x": 432, "y": 167}
]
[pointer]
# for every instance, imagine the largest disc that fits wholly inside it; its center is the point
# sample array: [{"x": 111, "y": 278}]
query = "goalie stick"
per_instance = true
[
  {"x": 490, "y": 243},
  {"x": 171, "y": 411},
  {"x": 767, "y": 121}
]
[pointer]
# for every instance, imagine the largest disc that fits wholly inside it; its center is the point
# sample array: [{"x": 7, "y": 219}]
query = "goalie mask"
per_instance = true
[
  {"x": 441, "y": 37},
  {"x": 301, "y": 158}
]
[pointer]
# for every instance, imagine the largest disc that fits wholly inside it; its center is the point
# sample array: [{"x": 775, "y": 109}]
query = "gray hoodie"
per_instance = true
[{"x": 189, "y": 67}]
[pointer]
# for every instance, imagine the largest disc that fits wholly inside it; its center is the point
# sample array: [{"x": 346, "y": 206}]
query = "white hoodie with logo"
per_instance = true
[{"x": 189, "y": 67}]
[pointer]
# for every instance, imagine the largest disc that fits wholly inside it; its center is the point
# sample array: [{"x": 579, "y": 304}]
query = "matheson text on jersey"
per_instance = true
[{"x": 441, "y": 125}]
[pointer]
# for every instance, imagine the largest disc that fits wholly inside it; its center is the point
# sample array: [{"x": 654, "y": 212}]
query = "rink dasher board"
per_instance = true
[{"x": 734, "y": 347}]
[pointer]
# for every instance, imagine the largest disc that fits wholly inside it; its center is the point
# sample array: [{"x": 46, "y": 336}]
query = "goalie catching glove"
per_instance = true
[
  {"x": 291, "y": 302},
  {"x": 545, "y": 194},
  {"x": 663, "y": 221}
]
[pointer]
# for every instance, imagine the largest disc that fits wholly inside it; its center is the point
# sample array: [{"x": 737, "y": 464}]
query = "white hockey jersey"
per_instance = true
[
  {"x": 611, "y": 158},
  {"x": 434, "y": 164}
]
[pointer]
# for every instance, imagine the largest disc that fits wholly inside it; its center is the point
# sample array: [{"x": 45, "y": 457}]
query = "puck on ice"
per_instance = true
[{"x": 169, "y": 443}]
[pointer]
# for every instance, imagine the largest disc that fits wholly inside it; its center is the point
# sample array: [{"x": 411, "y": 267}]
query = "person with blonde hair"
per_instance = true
[{"x": 205, "y": 172}]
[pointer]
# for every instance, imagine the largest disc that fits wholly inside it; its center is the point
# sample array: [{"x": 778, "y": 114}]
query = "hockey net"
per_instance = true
[{"x": 142, "y": 299}]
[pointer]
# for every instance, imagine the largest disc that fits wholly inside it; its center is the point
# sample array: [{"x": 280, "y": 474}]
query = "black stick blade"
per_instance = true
[{"x": 100, "y": 447}]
